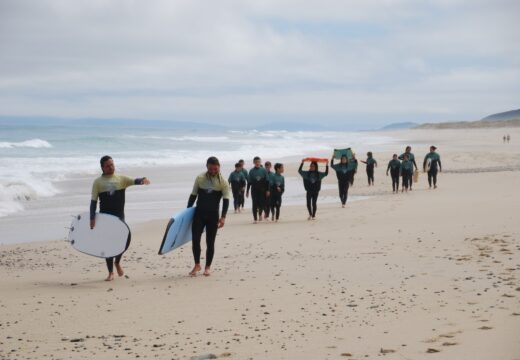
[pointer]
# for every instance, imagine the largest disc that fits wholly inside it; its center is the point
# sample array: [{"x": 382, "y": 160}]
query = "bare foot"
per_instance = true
[
  {"x": 195, "y": 270},
  {"x": 310, "y": 217},
  {"x": 255, "y": 222},
  {"x": 206, "y": 271},
  {"x": 110, "y": 277},
  {"x": 343, "y": 205},
  {"x": 119, "y": 269}
]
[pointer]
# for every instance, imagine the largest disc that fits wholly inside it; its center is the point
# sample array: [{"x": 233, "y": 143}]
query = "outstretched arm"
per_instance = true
[{"x": 141, "y": 181}]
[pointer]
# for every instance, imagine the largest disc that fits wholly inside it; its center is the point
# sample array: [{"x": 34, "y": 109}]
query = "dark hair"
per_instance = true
[
  {"x": 369, "y": 153},
  {"x": 268, "y": 163},
  {"x": 241, "y": 160},
  {"x": 256, "y": 158},
  {"x": 104, "y": 159},
  {"x": 237, "y": 165},
  {"x": 394, "y": 155},
  {"x": 315, "y": 163},
  {"x": 408, "y": 147},
  {"x": 212, "y": 160},
  {"x": 278, "y": 166}
]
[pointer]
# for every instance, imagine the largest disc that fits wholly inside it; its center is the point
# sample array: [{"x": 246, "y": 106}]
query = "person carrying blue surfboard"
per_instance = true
[
  {"x": 110, "y": 188},
  {"x": 277, "y": 185},
  {"x": 342, "y": 173},
  {"x": 411, "y": 158},
  {"x": 258, "y": 183},
  {"x": 209, "y": 188},
  {"x": 312, "y": 183},
  {"x": 237, "y": 180},
  {"x": 371, "y": 163},
  {"x": 434, "y": 161}
]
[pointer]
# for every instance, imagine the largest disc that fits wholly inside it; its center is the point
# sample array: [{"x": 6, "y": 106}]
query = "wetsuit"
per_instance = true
[
  {"x": 370, "y": 169},
  {"x": 343, "y": 179},
  {"x": 352, "y": 168},
  {"x": 395, "y": 167},
  {"x": 110, "y": 189},
  {"x": 207, "y": 190},
  {"x": 312, "y": 184},
  {"x": 411, "y": 158},
  {"x": 267, "y": 209},
  {"x": 406, "y": 173},
  {"x": 277, "y": 185},
  {"x": 238, "y": 183},
  {"x": 246, "y": 175},
  {"x": 258, "y": 182},
  {"x": 435, "y": 165}
]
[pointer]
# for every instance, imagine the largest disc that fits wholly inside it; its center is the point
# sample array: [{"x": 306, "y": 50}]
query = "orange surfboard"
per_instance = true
[{"x": 318, "y": 160}]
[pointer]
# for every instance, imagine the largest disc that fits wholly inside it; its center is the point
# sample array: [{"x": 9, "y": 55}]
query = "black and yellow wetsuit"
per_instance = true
[
  {"x": 207, "y": 190},
  {"x": 394, "y": 166},
  {"x": 110, "y": 190},
  {"x": 258, "y": 182},
  {"x": 312, "y": 184},
  {"x": 343, "y": 175},
  {"x": 238, "y": 182}
]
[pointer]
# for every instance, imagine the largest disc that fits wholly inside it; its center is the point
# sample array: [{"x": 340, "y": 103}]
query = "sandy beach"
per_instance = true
[{"x": 429, "y": 274}]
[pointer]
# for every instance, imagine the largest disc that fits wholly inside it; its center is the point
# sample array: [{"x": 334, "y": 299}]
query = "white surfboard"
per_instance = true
[
  {"x": 110, "y": 237},
  {"x": 178, "y": 231},
  {"x": 428, "y": 164}
]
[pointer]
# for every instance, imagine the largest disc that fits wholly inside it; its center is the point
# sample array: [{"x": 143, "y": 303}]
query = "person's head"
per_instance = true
[
  {"x": 268, "y": 165},
  {"x": 257, "y": 161},
  {"x": 238, "y": 167},
  {"x": 107, "y": 165},
  {"x": 395, "y": 156},
  {"x": 344, "y": 159},
  {"x": 408, "y": 149},
  {"x": 369, "y": 154},
  {"x": 241, "y": 162},
  {"x": 213, "y": 166},
  {"x": 406, "y": 157},
  {"x": 432, "y": 148},
  {"x": 278, "y": 168},
  {"x": 313, "y": 166}
]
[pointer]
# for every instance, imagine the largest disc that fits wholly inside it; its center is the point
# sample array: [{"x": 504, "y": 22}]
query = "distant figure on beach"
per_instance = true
[
  {"x": 238, "y": 183},
  {"x": 110, "y": 188},
  {"x": 371, "y": 163},
  {"x": 411, "y": 158},
  {"x": 394, "y": 166},
  {"x": 352, "y": 169},
  {"x": 209, "y": 188},
  {"x": 258, "y": 183},
  {"x": 277, "y": 187},
  {"x": 312, "y": 183},
  {"x": 431, "y": 165},
  {"x": 406, "y": 173},
  {"x": 508, "y": 138},
  {"x": 270, "y": 174},
  {"x": 504, "y": 138},
  {"x": 246, "y": 174},
  {"x": 343, "y": 175}
]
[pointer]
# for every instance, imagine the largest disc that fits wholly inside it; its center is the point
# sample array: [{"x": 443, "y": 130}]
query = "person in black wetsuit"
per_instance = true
[
  {"x": 411, "y": 158},
  {"x": 312, "y": 183},
  {"x": 258, "y": 183},
  {"x": 110, "y": 188},
  {"x": 237, "y": 180},
  {"x": 394, "y": 166},
  {"x": 209, "y": 188},
  {"x": 371, "y": 163},
  {"x": 352, "y": 169},
  {"x": 270, "y": 175},
  {"x": 406, "y": 173},
  {"x": 277, "y": 189},
  {"x": 246, "y": 175},
  {"x": 342, "y": 173},
  {"x": 435, "y": 165}
]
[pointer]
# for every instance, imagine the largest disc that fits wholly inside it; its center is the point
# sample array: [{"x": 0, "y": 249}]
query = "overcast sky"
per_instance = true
[{"x": 365, "y": 62}]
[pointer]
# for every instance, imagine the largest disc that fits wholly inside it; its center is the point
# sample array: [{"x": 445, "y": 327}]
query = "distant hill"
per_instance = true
[
  {"x": 399, "y": 126},
  {"x": 292, "y": 126},
  {"x": 500, "y": 120}
]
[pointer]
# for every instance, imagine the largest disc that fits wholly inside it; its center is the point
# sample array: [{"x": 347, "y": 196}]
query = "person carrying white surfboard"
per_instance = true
[
  {"x": 432, "y": 164},
  {"x": 110, "y": 188},
  {"x": 209, "y": 188}
]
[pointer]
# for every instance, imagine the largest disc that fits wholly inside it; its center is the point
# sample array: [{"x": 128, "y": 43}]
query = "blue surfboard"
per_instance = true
[{"x": 178, "y": 231}]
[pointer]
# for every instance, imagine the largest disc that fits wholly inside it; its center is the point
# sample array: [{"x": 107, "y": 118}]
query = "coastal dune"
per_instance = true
[{"x": 429, "y": 274}]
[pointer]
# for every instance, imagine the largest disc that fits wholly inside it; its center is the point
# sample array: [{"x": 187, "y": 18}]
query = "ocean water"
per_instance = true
[{"x": 46, "y": 171}]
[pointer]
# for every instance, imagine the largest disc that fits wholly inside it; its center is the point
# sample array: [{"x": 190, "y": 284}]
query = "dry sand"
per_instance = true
[{"x": 432, "y": 274}]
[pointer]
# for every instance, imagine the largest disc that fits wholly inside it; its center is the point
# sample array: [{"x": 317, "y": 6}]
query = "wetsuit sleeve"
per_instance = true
[
  {"x": 414, "y": 163},
  {"x": 191, "y": 200},
  {"x": 95, "y": 191},
  {"x": 401, "y": 157},
  {"x": 225, "y": 206},
  {"x": 139, "y": 181},
  {"x": 195, "y": 190},
  {"x": 300, "y": 171},
  {"x": 93, "y": 206},
  {"x": 439, "y": 161},
  {"x": 389, "y": 166}
]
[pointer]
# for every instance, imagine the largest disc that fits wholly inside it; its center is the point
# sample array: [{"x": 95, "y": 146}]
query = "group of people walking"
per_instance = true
[{"x": 264, "y": 184}]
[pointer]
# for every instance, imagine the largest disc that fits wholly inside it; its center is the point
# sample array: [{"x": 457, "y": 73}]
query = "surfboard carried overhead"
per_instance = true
[
  {"x": 178, "y": 231},
  {"x": 338, "y": 153},
  {"x": 110, "y": 237},
  {"x": 316, "y": 159}
]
